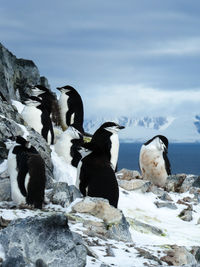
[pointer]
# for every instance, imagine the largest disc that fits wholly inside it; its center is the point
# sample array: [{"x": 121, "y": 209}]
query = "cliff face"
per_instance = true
[{"x": 17, "y": 75}]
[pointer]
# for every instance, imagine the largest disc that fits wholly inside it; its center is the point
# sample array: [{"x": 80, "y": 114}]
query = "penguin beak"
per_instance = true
[
  {"x": 121, "y": 127},
  {"x": 59, "y": 88}
]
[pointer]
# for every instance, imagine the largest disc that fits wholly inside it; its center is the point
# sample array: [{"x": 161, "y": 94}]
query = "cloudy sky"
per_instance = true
[{"x": 124, "y": 57}]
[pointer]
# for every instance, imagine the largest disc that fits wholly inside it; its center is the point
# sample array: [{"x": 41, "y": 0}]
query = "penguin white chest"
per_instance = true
[
  {"x": 152, "y": 166},
  {"x": 32, "y": 117},
  {"x": 63, "y": 104},
  {"x": 63, "y": 146},
  {"x": 17, "y": 197},
  {"x": 114, "y": 150}
]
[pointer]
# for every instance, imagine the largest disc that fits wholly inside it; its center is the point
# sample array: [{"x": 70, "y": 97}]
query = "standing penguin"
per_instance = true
[
  {"x": 106, "y": 138},
  {"x": 26, "y": 169},
  {"x": 153, "y": 160},
  {"x": 49, "y": 101},
  {"x": 37, "y": 117},
  {"x": 67, "y": 145},
  {"x": 96, "y": 178},
  {"x": 71, "y": 108}
]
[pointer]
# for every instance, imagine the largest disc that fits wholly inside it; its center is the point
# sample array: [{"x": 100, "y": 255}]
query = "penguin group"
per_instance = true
[{"x": 60, "y": 122}]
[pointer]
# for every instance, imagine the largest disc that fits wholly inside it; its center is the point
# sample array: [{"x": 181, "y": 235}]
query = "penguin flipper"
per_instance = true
[
  {"x": 83, "y": 182},
  {"x": 68, "y": 117},
  {"x": 167, "y": 163}
]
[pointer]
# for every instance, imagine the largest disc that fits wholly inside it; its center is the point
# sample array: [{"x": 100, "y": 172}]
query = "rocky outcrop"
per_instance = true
[
  {"x": 62, "y": 194},
  {"x": 101, "y": 218},
  {"x": 45, "y": 240},
  {"x": 17, "y": 75},
  {"x": 178, "y": 256}
]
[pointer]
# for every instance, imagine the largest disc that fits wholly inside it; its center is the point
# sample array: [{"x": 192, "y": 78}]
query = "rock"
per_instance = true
[
  {"x": 197, "y": 255},
  {"x": 198, "y": 222},
  {"x": 109, "y": 252},
  {"x": 165, "y": 205},
  {"x": 111, "y": 221},
  {"x": 5, "y": 190},
  {"x": 64, "y": 195},
  {"x": 196, "y": 182},
  {"x": 187, "y": 183},
  {"x": 186, "y": 215},
  {"x": 131, "y": 184},
  {"x": 174, "y": 182},
  {"x": 147, "y": 255},
  {"x": 178, "y": 256},
  {"x": 16, "y": 75},
  {"x": 48, "y": 240},
  {"x": 99, "y": 208},
  {"x": 144, "y": 227},
  {"x": 40, "y": 263},
  {"x": 10, "y": 112},
  {"x": 150, "y": 187},
  {"x": 165, "y": 197},
  {"x": 128, "y": 175}
]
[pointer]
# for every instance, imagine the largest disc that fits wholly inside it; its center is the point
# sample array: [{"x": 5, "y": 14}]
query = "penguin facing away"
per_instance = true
[
  {"x": 37, "y": 117},
  {"x": 26, "y": 169},
  {"x": 67, "y": 146},
  {"x": 96, "y": 178},
  {"x": 71, "y": 108},
  {"x": 153, "y": 160},
  {"x": 106, "y": 139},
  {"x": 49, "y": 101}
]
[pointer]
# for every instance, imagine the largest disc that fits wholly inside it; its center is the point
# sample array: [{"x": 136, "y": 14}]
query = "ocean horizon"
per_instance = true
[{"x": 183, "y": 157}]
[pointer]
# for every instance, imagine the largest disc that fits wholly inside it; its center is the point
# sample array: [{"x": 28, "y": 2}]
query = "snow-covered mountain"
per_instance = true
[{"x": 176, "y": 129}]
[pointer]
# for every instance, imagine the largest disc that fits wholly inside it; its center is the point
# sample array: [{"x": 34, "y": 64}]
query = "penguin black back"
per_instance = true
[
  {"x": 75, "y": 113},
  {"x": 30, "y": 162},
  {"x": 49, "y": 101},
  {"x": 98, "y": 177},
  {"x": 46, "y": 122}
]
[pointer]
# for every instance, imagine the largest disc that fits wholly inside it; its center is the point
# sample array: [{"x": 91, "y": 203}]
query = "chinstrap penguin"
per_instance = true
[
  {"x": 67, "y": 144},
  {"x": 37, "y": 117},
  {"x": 106, "y": 139},
  {"x": 26, "y": 169},
  {"x": 49, "y": 101},
  {"x": 96, "y": 178},
  {"x": 153, "y": 160},
  {"x": 71, "y": 108}
]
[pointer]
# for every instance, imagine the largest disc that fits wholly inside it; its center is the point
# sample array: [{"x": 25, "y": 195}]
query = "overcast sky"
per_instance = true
[{"x": 124, "y": 57}]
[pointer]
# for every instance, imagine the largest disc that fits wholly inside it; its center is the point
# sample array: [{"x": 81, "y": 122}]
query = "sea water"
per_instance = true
[{"x": 183, "y": 157}]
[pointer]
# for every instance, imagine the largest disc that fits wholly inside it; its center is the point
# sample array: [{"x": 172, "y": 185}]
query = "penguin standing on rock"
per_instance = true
[
  {"x": 36, "y": 116},
  {"x": 26, "y": 169},
  {"x": 153, "y": 160},
  {"x": 106, "y": 139},
  {"x": 71, "y": 108},
  {"x": 67, "y": 145},
  {"x": 96, "y": 177}
]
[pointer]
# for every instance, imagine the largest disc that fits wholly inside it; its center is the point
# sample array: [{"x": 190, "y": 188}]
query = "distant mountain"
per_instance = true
[{"x": 176, "y": 129}]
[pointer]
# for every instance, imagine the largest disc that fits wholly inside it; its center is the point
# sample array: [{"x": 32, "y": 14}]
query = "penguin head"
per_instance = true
[
  {"x": 38, "y": 90},
  {"x": 33, "y": 101},
  {"x": 66, "y": 89},
  {"x": 112, "y": 127},
  {"x": 160, "y": 142},
  {"x": 74, "y": 133},
  {"x": 18, "y": 140},
  {"x": 10, "y": 142}
]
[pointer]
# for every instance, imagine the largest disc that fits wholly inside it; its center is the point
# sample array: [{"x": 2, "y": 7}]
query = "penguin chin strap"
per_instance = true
[{"x": 112, "y": 129}]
